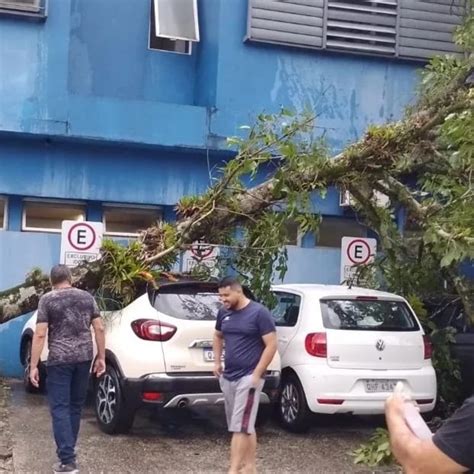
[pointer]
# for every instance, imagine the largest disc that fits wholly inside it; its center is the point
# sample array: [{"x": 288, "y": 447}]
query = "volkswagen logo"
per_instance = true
[{"x": 380, "y": 345}]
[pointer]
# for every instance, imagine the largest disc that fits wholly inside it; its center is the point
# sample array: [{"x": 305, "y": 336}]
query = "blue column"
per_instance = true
[{"x": 15, "y": 210}]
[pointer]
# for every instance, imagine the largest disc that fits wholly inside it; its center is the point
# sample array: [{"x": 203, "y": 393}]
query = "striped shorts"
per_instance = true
[{"x": 241, "y": 403}]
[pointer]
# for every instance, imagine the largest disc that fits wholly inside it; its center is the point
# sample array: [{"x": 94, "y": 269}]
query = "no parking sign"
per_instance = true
[
  {"x": 80, "y": 241},
  {"x": 356, "y": 251}
]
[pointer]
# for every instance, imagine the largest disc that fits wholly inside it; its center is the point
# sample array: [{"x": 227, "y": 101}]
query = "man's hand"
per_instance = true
[
  {"x": 34, "y": 377},
  {"x": 99, "y": 367},
  {"x": 395, "y": 405},
  {"x": 256, "y": 379},
  {"x": 217, "y": 369}
]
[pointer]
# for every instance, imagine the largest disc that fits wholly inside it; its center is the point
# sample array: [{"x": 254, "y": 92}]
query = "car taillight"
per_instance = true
[
  {"x": 316, "y": 344},
  {"x": 428, "y": 347},
  {"x": 152, "y": 396},
  {"x": 153, "y": 330}
]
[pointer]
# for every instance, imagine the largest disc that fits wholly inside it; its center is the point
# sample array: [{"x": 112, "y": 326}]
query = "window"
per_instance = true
[
  {"x": 35, "y": 8},
  {"x": 47, "y": 216},
  {"x": 333, "y": 229},
  {"x": 368, "y": 315},
  {"x": 188, "y": 302},
  {"x": 173, "y": 25},
  {"x": 129, "y": 221},
  {"x": 412, "y": 29},
  {"x": 287, "y": 309},
  {"x": 3, "y": 213},
  {"x": 292, "y": 233}
]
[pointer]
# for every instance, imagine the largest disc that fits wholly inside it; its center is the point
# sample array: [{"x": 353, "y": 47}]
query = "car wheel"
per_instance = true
[
  {"x": 27, "y": 385},
  {"x": 112, "y": 413},
  {"x": 293, "y": 408}
]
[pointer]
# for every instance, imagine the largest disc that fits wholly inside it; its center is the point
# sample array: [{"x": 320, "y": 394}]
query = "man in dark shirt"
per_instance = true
[
  {"x": 65, "y": 315},
  {"x": 450, "y": 450},
  {"x": 248, "y": 330}
]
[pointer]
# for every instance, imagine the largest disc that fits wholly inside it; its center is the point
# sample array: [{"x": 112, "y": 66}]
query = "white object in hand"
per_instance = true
[{"x": 412, "y": 416}]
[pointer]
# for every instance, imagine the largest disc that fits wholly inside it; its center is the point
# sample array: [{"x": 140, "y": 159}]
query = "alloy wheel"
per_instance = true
[
  {"x": 106, "y": 399},
  {"x": 290, "y": 404}
]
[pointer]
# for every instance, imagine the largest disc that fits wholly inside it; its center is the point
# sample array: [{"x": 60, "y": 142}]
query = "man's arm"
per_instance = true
[
  {"x": 270, "y": 341},
  {"x": 414, "y": 454},
  {"x": 217, "y": 347},
  {"x": 39, "y": 338},
  {"x": 99, "y": 333}
]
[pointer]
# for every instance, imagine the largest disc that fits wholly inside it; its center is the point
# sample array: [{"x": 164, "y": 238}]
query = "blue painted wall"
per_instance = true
[
  {"x": 76, "y": 76},
  {"x": 88, "y": 112}
]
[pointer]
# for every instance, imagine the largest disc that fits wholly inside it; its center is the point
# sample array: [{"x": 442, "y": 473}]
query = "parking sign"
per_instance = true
[
  {"x": 356, "y": 251},
  {"x": 80, "y": 241}
]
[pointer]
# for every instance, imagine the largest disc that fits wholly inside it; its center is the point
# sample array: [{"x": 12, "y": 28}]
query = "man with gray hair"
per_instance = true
[{"x": 65, "y": 315}]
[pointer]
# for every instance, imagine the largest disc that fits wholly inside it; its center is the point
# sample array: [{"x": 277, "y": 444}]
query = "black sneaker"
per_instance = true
[{"x": 60, "y": 467}]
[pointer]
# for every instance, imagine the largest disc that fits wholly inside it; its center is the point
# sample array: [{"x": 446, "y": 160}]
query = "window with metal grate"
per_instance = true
[
  {"x": 411, "y": 29},
  {"x": 361, "y": 25},
  {"x": 30, "y": 8}
]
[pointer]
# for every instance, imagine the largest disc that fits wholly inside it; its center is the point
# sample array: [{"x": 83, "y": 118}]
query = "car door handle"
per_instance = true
[{"x": 283, "y": 339}]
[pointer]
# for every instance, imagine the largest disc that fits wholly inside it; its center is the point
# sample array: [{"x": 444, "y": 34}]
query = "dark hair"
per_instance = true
[
  {"x": 60, "y": 274},
  {"x": 229, "y": 281}
]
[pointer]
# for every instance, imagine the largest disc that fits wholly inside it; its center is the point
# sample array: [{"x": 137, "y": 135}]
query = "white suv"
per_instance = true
[
  {"x": 344, "y": 349},
  {"x": 159, "y": 353}
]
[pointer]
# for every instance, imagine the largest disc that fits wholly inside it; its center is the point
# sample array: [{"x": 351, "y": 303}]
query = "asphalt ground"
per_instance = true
[{"x": 183, "y": 441}]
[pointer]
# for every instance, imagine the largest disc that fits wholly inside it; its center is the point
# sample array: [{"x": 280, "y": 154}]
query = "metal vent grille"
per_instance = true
[{"x": 361, "y": 25}]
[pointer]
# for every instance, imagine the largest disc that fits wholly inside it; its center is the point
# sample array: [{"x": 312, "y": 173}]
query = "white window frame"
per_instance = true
[
  {"x": 158, "y": 209},
  {"x": 25, "y": 228},
  {"x": 196, "y": 23},
  {"x": 4, "y": 223}
]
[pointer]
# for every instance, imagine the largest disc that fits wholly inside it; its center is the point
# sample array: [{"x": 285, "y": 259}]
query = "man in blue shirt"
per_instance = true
[{"x": 248, "y": 331}]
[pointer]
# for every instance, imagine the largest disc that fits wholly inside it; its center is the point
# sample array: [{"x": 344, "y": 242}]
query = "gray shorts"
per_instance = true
[{"x": 241, "y": 403}]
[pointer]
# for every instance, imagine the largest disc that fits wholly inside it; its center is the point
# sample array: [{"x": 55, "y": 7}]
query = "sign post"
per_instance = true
[
  {"x": 80, "y": 241},
  {"x": 356, "y": 251}
]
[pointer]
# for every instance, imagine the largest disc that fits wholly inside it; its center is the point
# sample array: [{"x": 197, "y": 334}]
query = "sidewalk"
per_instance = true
[{"x": 6, "y": 461}]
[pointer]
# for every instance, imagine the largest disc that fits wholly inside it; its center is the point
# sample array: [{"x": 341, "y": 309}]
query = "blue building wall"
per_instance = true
[{"x": 88, "y": 112}]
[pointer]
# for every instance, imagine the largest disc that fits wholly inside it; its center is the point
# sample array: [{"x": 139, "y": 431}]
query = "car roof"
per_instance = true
[{"x": 321, "y": 291}]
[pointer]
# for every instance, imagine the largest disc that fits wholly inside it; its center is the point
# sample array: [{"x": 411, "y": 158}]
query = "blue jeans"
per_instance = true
[{"x": 67, "y": 393}]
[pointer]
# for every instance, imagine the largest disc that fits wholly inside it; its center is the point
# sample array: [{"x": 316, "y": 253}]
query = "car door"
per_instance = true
[
  {"x": 286, "y": 314},
  {"x": 463, "y": 348}
]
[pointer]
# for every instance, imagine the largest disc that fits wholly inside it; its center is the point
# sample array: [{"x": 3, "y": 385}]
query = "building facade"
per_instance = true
[{"x": 111, "y": 110}]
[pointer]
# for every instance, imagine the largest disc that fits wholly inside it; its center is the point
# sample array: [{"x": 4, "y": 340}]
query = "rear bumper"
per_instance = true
[
  {"x": 346, "y": 388},
  {"x": 190, "y": 389}
]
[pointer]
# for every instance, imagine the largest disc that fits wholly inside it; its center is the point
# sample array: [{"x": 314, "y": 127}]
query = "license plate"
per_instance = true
[
  {"x": 209, "y": 355},
  {"x": 380, "y": 385}
]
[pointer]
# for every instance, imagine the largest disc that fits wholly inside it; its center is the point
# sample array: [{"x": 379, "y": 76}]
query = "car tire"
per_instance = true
[
  {"x": 293, "y": 409},
  {"x": 27, "y": 385},
  {"x": 112, "y": 413}
]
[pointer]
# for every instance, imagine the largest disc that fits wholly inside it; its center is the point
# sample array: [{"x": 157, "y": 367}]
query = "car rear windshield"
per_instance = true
[
  {"x": 367, "y": 315},
  {"x": 198, "y": 306}
]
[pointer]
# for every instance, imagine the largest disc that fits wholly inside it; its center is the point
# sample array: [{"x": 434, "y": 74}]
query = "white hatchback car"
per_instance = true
[
  {"x": 159, "y": 353},
  {"x": 344, "y": 349}
]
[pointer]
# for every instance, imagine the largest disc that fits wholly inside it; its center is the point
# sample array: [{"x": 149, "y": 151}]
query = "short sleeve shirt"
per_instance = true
[
  {"x": 243, "y": 331},
  {"x": 69, "y": 313},
  {"x": 456, "y": 437}
]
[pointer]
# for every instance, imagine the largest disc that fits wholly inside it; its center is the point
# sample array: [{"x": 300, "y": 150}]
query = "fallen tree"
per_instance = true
[{"x": 422, "y": 164}]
